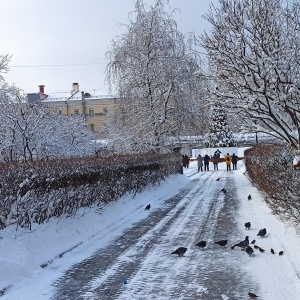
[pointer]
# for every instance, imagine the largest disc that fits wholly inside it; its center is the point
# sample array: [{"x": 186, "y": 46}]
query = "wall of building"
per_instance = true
[{"x": 95, "y": 108}]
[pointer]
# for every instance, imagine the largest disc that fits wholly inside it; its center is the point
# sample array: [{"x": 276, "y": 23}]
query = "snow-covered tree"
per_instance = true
[
  {"x": 29, "y": 132},
  {"x": 254, "y": 51},
  {"x": 220, "y": 134},
  {"x": 152, "y": 67}
]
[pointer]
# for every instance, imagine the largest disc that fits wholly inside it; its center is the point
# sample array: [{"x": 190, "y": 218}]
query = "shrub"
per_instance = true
[
  {"x": 36, "y": 191},
  {"x": 270, "y": 169}
]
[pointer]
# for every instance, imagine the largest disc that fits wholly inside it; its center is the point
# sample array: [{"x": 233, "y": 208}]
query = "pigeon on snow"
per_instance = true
[
  {"x": 249, "y": 250},
  {"x": 252, "y": 296},
  {"x": 248, "y": 225},
  {"x": 223, "y": 190},
  {"x": 201, "y": 244},
  {"x": 262, "y": 232},
  {"x": 180, "y": 251},
  {"x": 221, "y": 243},
  {"x": 147, "y": 207},
  {"x": 243, "y": 244}
]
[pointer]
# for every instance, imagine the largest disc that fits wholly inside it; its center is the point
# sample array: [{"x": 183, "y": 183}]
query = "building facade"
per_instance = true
[{"x": 94, "y": 107}]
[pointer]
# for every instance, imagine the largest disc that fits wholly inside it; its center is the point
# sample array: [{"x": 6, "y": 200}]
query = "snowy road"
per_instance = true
[{"x": 142, "y": 254}]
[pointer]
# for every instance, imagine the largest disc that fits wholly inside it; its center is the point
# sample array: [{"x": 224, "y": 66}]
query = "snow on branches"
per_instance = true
[
  {"x": 254, "y": 53},
  {"x": 220, "y": 135},
  {"x": 152, "y": 67}
]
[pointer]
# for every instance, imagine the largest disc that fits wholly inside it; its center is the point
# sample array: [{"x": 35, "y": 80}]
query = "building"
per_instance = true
[{"x": 94, "y": 107}]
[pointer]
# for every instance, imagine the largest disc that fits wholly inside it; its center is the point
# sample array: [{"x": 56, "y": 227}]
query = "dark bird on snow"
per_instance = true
[
  {"x": 223, "y": 190},
  {"x": 249, "y": 250},
  {"x": 253, "y": 242},
  {"x": 272, "y": 251},
  {"x": 261, "y": 250},
  {"x": 180, "y": 251},
  {"x": 252, "y": 296},
  {"x": 262, "y": 232},
  {"x": 248, "y": 225},
  {"x": 201, "y": 244},
  {"x": 217, "y": 179},
  {"x": 255, "y": 246},
  {"x": 243, "y": 244},
  {"x": 221, "y": 243},
  {"x": 280, "y": 253},
  {"x": 249, "y": 197},
  {"x": 147, "y": 207}
]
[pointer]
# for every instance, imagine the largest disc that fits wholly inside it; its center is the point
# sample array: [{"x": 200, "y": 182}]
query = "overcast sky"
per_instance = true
[{"x": 64, "y": 32}]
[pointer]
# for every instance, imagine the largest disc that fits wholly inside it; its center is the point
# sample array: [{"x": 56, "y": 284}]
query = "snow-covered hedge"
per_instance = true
[
  {"x": 270, "y": 168},
  {"x": 34, "y": 192}
]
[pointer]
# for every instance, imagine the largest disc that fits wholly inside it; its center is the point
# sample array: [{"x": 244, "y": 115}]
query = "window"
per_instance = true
[
  {"x": 76, "y": 111},
  {"x": 92, "y": 127},
  {"x": 91, "y": 112},
  {"x": 105, "y": 110}
]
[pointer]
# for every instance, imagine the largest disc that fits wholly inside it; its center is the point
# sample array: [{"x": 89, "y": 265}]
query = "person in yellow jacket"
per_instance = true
[{"x": 228, "y": 160}]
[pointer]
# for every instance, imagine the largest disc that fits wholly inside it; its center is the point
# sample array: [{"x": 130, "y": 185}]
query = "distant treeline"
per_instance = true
[{"x": 33, "y": 192}]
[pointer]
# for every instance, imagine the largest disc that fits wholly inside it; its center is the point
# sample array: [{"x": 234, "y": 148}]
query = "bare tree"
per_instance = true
[
  {"x": 254, "y": 53},
  {"x": 152, "y": 67}
]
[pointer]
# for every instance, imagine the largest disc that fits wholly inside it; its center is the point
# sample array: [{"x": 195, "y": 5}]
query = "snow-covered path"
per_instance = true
[
  {"x": 123, "y": 241},
  {"x": 142, "y": 254}
]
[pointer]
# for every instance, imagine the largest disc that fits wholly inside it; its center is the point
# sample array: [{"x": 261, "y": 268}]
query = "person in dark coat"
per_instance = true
[
  {"x": 234, "y": 159},
  {"x": 215, "y": 161},
  {"x": 206, "y": 162},
  {"x": 183, "y": 161},
  {"x": 187, "y": 161},
  {"x": 218, "y": 153},
  {"x": 200, "y": 163}
]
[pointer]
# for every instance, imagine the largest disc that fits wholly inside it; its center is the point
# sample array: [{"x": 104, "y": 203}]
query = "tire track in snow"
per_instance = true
[
  {"x": 76, "y": 280},
  {"x": 142, "y": 253}
]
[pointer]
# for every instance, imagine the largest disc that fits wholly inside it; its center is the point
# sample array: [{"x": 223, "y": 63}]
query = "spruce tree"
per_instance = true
[{"x": 220, "y": 135}]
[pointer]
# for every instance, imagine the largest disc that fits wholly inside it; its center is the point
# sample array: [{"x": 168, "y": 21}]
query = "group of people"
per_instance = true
[{"x": 215, "y": 159}]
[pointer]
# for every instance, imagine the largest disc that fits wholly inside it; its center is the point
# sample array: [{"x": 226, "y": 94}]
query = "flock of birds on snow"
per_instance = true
[{"x": 243, "y": 245}]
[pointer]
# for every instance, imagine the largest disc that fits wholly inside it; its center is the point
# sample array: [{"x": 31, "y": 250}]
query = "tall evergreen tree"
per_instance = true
[{"x": 220, "y": 135}]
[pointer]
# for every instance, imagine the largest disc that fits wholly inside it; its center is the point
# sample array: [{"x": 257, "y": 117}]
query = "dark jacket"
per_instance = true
[
  {"x": 234, "y": 159},
  {"x": 215, "y": 159},
  {"x": 218, "y": 153},
  {"x": 206, "y": 159}
]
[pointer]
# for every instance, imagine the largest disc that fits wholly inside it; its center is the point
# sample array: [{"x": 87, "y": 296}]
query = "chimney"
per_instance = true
[
  {"x": 42, "y": 90},
  {"x": 75, "y": 87}
]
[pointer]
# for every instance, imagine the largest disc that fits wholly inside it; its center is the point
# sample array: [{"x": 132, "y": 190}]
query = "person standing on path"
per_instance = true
[
  {"x": 183, "y": 161},
  {"x": 228, "y": 160},
  {"x": 218, "y": 153},
  {"x": 200, "y": 163},
  {"x": 215, "y": 161},
  {"x": 187, "y": 161},
  {"x": 234, "y": 161},
  {"x": 206, "y": 162}
]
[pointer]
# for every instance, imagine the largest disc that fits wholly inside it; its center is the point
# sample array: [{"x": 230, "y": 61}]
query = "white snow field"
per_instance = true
[{"x": 158, "y": 274}]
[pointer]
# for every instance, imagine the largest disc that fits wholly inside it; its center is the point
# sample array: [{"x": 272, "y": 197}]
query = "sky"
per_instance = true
[
  {"x": 23, "y": 251},
  {"x": 56, "y": 43}
]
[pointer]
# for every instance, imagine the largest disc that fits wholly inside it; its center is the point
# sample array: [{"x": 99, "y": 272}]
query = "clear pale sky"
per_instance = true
[{"x": 65, "y": 32}]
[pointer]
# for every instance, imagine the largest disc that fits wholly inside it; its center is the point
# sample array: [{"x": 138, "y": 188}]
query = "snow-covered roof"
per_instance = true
[{"x": 75, "y": 96}]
